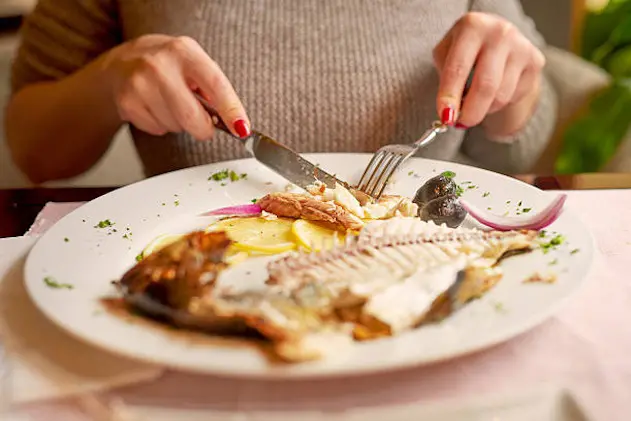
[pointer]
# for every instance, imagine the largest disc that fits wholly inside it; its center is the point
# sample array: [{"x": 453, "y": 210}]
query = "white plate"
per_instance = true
[{"x": 91, "y": 258}]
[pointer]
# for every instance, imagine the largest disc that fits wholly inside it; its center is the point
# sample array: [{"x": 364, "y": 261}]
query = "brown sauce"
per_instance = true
[{"x": 117, "y": 307}]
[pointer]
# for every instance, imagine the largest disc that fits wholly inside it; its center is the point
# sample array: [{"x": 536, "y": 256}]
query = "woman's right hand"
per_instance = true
[{"x": 152, "y": 79}]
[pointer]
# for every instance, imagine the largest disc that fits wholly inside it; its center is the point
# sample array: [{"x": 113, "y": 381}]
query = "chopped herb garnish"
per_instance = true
[
  {"x": 411, "y": 173},
  {"x": 226, "y": 174},
  {"x": 486, "y": 194},
  {"x": 254, "y": 200},
  {"x": 499, "y": 307},
  {"x": 471, "y": 186},
  {"x": 489, "y": 208},
  {"x": 176, "y": 203},
  {"x": 574, "y": 251},
  {"x": 526, "y": 210},
  {"x": 508, "y": 202},
  {"x": 66, "y": 239},
  {"x": 459, "y": 191},
  {"x": 519, "y": 204},
  {"x": 224, "y": 184},
  {"x": 554, "y": 262},
  {"x": 542, "y": 233},
  {"x": 104, "y": 224},
  {"x": 466, "y": 182},
  {"x": 554, "y": 242},
  {"x": 164, "y": 204},
  {"x": 218, "y": 176},
  {"x": 448, "y": 174},
  {"x": 234, "y": 176},
  {"x": 139, "y": 257},
  {"x": 50, "y": 282}
]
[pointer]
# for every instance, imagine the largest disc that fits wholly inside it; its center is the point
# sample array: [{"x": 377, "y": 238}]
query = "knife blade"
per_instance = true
[
  {"x": 278, "y": 157},
  {"x": 286, "y": 162}
]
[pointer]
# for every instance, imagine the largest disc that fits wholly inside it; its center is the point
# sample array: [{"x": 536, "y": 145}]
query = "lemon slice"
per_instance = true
[
  {"x": 315, "y": 237},
  {"x": 234, "y": 256},
  {"x": 268, "y": 236},
  {"x": 159, "y": 243}
]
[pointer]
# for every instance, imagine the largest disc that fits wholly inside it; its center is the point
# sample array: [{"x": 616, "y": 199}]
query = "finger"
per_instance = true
[
  {"x": 214, "y": 84},
  {"x": 187, "y": 110},
  {"x": 184, "y": 108},
  {"x": 140, "y": 117},
  {"x": 527, "y": 82},
  {"x": 157, "y": 105},
  {"x": 486, "y": 81},
  {"x": 505, "y": 93},
  {"x": 459, "y": 62},
  {"x": 439, "y": 54}
]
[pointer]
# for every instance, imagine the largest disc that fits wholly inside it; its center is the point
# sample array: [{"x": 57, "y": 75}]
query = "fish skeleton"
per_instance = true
[{"x": 394, "y": 276}]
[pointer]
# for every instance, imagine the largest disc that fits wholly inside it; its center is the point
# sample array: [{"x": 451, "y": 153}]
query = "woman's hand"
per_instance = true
[
  {"x": 506, "y": 80},
  {"x": 153, "y": 78}
]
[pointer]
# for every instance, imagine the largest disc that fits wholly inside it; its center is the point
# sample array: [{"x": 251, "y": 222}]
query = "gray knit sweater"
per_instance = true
[{"x": 319, "y": 75}]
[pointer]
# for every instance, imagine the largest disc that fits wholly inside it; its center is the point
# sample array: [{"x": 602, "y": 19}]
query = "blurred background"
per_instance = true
[{"x": 589, "y": 60}]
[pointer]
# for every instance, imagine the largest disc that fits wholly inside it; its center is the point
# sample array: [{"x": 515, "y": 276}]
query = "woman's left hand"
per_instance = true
[{"x": 506, "y": 79}]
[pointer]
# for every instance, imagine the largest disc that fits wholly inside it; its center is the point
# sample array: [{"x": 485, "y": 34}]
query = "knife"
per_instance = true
[{"x": 278, "y": 157}]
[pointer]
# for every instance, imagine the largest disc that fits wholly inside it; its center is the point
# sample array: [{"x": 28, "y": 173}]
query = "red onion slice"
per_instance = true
[
  {"x": 536, "y": 221},
  {"x": 238, "y": 210}
]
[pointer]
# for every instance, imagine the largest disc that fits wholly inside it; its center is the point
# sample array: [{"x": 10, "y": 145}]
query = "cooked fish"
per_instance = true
[
  {"x": 184, "y": 269},
  {"x": 336, "y": 208},
  {"x": 294, "y": 205},
  {"x": 300, "y": 325},
  {"x": 402, "y": 266},
  {"x": 393, "y": 276}
]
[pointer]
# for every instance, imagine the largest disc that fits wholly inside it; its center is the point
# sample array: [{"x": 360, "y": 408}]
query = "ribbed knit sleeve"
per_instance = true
[
  {"x": 519, "y": 152},
  {"x": 61, "y": 36}
]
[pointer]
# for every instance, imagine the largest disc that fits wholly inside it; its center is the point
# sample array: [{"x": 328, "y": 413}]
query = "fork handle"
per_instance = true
[{"x": 430, "y": 135}]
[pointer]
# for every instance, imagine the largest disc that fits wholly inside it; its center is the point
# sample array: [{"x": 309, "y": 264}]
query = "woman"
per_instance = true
[{"x": 321, "y": 76}]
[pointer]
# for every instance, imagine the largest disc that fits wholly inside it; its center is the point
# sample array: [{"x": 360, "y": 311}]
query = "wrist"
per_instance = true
[
  {"x": 99, "y": 79},
  {"x": 514, "y": 117}
]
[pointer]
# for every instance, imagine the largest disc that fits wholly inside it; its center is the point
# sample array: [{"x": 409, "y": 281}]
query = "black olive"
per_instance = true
[
  {"x": 434, "y": 188},
  {"x": 444, "y": 210}
]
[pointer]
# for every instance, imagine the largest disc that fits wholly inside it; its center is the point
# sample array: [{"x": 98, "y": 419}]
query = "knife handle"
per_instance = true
[{"x": 214, "y": 115}]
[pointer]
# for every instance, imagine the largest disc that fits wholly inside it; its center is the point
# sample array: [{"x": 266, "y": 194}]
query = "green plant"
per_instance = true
[{"x": 594, "y": 137}]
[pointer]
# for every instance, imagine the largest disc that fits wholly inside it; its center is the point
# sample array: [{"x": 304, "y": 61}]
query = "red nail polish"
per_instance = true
[
  {"x": 242, "y": 129},
  {"x": 461, "y": 126},
  {"x": 448, "y": 115}
]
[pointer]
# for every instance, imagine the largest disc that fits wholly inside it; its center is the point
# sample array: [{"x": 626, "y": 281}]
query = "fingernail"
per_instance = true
[
  {"x": 242, "y": 129},
  {"x": 448, "y": 115},
  {"x": 461, "y": 126}
]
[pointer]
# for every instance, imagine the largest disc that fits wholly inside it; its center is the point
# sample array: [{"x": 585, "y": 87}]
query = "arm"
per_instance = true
[
  {"x": 512, "y": 139},
  {"x": 61, "y": 119}
]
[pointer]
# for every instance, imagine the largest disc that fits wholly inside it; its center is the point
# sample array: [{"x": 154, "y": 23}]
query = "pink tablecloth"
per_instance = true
[{"x": 585, "y": 348}]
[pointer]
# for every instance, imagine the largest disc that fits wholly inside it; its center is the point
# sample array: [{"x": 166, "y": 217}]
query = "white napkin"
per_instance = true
[
  {"x": 548, "y": 403},
  {"x": 45, "y": 362}
]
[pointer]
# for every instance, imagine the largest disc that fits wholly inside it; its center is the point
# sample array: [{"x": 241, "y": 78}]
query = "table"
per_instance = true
[
  {"x": 19, "y": 207},
  {"x": 572, "y": 339}
]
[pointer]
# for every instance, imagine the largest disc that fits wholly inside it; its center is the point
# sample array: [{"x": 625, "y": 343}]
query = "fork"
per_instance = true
[{"x": 389, "y": 158}]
